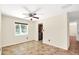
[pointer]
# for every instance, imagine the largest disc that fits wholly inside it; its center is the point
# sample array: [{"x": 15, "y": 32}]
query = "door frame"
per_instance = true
[{"x": 38, "y": 31}]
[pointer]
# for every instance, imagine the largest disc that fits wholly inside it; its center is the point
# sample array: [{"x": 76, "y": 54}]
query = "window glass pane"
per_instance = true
[
  {"x": 17, "y": 29},
  {"x": 21, "y": 28},
  {"x": 24, "y": 28}
]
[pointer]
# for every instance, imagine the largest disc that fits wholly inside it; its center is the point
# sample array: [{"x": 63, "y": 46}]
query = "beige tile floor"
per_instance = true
[{"x": 37, "y": 48}]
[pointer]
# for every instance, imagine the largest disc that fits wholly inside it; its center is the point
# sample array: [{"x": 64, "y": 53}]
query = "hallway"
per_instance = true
[{"x": 74, "y": 44}]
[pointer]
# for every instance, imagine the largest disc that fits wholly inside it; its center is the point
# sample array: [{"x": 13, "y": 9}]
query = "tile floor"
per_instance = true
[{"x": 38, "y": 48}]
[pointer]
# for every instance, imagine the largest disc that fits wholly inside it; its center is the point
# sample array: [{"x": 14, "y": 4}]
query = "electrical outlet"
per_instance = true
[
  {"x": 49, "y": 40},
  {"x": 27, "y": 38}
]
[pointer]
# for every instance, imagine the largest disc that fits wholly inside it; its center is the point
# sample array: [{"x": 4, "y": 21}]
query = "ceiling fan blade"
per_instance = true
[
  {"x": 36, "y": 17},
  {"x": 26, "y": 9},
  {"x": 37, "y": 10}
]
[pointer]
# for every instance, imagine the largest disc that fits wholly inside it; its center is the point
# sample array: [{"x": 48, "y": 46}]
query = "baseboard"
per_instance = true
[
  {"x": 15, "y": 43},
  {"x": 56, "y": 46}
]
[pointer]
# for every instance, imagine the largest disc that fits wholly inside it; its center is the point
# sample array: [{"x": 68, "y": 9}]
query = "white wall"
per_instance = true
[
  {"x": 8, "y": 31},
  {"x": 77, "y": 30},
  {"x": 73, "y": 29},
  {"x": 32, "y": 30},
  {"x": 55, "y": 30}
]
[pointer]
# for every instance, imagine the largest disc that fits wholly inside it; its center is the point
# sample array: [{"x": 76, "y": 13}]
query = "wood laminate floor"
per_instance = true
[{"x": 38, "y": 48}]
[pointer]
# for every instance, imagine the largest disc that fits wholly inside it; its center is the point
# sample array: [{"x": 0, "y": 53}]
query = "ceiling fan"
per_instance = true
[{"x": 31, "y": 14}]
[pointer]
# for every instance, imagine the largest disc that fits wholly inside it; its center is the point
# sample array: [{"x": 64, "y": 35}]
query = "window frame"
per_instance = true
[{"x": 20, "y": 28}]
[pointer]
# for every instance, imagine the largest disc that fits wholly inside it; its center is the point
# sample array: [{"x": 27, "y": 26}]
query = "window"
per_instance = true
[
  {"x": 17, "y": 29},
  {"x": 21, "y": 28}
]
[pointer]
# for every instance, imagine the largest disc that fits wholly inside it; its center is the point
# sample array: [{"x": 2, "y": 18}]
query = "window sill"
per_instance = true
[{"x": 21, "y": 34}]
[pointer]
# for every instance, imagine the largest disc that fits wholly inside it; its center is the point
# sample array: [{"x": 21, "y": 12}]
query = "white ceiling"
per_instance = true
[{"x": 45, "y": 11}]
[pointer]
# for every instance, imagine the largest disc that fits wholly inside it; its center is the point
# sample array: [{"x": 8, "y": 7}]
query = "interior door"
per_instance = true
[{"x": 40, "y": 32}]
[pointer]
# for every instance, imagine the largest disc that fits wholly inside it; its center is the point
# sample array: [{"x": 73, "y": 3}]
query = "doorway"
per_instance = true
[
  {"x": 73, "y": 32},
  {"x": 40, "y": 32},
  {"x": 73, "y": 37}
]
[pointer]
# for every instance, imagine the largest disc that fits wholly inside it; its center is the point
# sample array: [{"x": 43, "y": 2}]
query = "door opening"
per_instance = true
[
  {"x": 73, "y": 35},
  {"x": 40, "y": 32}
]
